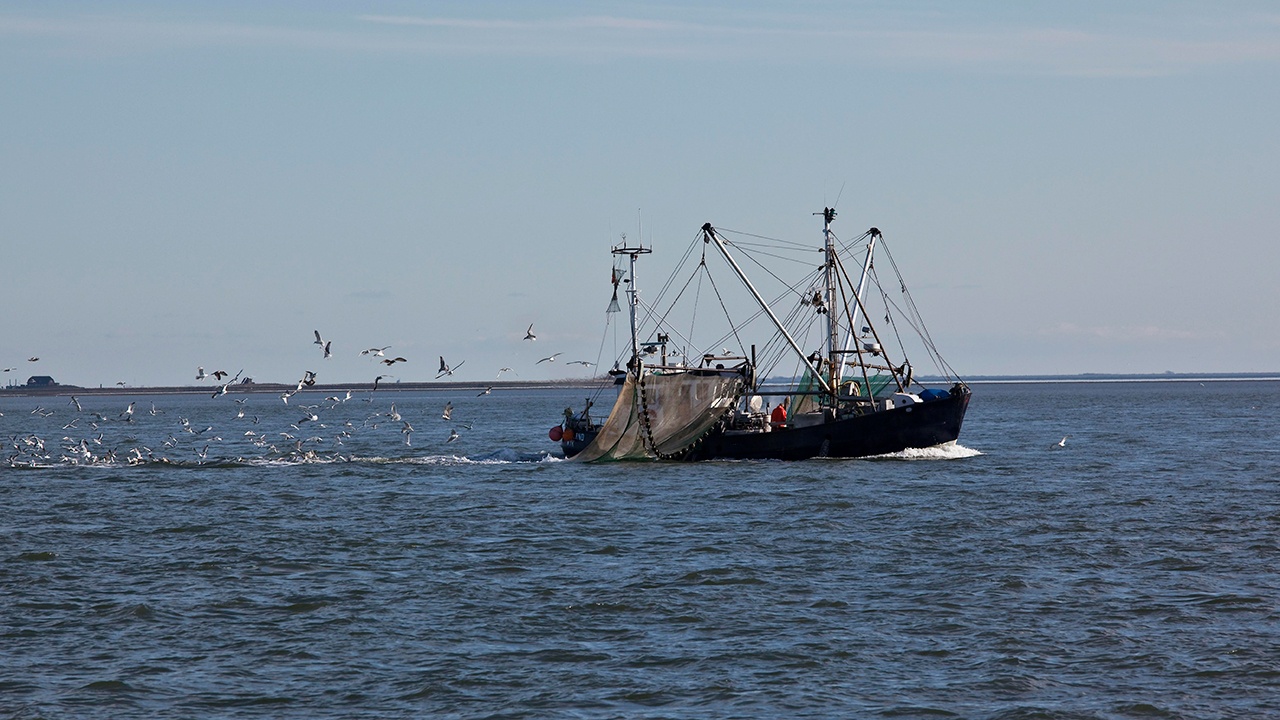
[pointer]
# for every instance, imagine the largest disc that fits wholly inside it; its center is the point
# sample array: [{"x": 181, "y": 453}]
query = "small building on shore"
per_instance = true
[{"x": 41, "y": 381}]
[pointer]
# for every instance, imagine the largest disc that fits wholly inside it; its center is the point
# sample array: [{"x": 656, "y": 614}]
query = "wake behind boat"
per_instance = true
[{"x": 847, "y": 395}]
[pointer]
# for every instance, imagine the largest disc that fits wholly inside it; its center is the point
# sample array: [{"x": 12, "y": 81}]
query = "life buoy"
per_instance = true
[{"x": 555, "y": 434}]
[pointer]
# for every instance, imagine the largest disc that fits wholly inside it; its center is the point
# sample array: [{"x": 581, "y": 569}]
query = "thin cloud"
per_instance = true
[
  {"x": 1144, "y": 47},
  {"x": 369, "y": 296},
  {"x": 571, "y": 23},
  {"x": 1126, "y": 333},
  {"x": 1174, "y": 46}
]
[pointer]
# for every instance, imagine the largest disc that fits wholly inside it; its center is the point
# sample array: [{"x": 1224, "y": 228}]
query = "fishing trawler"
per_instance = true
[{"x": 847, "y": 395}]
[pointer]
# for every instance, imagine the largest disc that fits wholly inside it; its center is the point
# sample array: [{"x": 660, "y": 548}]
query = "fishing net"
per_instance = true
[{"x": 663, "y": 415}]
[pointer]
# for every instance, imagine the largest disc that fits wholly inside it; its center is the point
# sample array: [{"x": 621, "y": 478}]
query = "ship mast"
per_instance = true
[
  {"x": 857, "y": 303},
  {"x": 633, "y": 296},
  {"x": 835, "y": 369}
]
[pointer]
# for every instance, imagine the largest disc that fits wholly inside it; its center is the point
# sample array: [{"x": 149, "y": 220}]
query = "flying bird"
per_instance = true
[
  {"x": 453, "y": 435},
  {"x": 218, "y": 374},
  {"x": 377, "y": 379},
  {"x": 32, "y": 359},
  {"x": 486, "y": 391},
  {"x": 200, "y": 373},
  {"x": 223, "y": 390},
  {"x": 376, "y": 352},
  {"x": 1062, "y": 442},
  {"x": 528, "y": 334},
  {"x": 446, "y": 370},
  {"x": 128, "y": 413},
  {"x": 308, "y": 379},
  {"x": 392, "y": 361},
  {"x": 551, "y": 358},
  {"x": 75, "y": 402},
  {"x": 448, "y": 411},
  {"x": 584, "y": 363},
  {"x": 502, "y": 370},
  {"x": 318, "y": 340},
  {"x": 327, "y": 353}
]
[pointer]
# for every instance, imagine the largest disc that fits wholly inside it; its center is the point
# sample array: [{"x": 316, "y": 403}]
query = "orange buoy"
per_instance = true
[
  {"x": 567, "y": 435},
  {"x": 555, "y": 434}
]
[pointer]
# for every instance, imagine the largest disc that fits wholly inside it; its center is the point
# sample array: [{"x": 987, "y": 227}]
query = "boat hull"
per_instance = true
[{"x": 919, "y": 425}]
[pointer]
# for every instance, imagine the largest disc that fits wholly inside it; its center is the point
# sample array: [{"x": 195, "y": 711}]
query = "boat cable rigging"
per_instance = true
[{"x": 852, "y": 387}]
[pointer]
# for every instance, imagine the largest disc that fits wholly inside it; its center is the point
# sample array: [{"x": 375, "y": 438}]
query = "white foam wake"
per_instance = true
[{"x": 945, "y": 451}]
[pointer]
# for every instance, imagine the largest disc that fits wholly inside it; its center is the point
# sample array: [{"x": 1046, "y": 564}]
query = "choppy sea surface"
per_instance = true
[{"x": 335, "y": 570}]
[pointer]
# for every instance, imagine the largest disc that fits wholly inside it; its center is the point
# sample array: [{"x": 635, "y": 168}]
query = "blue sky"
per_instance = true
[{"x": 1068, "y": 187}]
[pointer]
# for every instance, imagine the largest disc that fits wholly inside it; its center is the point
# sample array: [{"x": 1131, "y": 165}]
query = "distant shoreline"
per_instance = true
[
  {"x": 1121, "y": 377},
  {"x": 276, "y": 388},
  {"x": 591, "y": 383}
]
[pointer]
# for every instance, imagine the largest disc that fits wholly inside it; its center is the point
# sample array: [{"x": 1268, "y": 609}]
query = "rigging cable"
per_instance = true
[
  {"x": 922, "y": 330},
  {"x": 804, "y": 246}
]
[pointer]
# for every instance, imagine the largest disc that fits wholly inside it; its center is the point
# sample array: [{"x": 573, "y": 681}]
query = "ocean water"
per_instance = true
[{"x": 1128, "y": 573}]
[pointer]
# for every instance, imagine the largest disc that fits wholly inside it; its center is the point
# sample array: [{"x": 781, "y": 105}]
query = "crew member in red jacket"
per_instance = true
[{"x": 778, "y": 418}]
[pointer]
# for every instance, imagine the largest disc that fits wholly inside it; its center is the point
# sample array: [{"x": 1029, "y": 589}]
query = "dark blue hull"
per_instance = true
[{"x": 919, "y": 425}]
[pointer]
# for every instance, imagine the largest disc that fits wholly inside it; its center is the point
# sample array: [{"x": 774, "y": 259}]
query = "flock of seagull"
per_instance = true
[{"x": 105, "y": 439}]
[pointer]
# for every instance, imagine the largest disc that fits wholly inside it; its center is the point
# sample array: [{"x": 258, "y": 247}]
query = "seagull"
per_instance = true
[
  {"x": 75, "y": 402},
  {"x": 407, "y": 431},
  {"x": 377, "y": 352},
  {"x": 223, "y": 390},
  {"x": 395, "y": 416},
  {"x": 486, "y": 391},
  {"x": 318, "y": 340},
  {"x": 1062, "y": 442},
  {"x": 326, "y": 348},
  {"x": 448, "y": 411},
  {"x": 32, "y": 359},
  {"x": 218, "y": 374},
  {"x": 552, "y": 358},
  {"x": 584, "y": 363},
  {"x": 128, "y": 413},
  {"x": 200, "y": 373},
  {"x": 392, "y": 361},
  {"x": 375, "y": 381},
  {"x": 446, "y": 370},
  {"x": 453, "y": 435},
  {"x": 502, "y": 370},
  {"x": 528, "y": 334}
]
